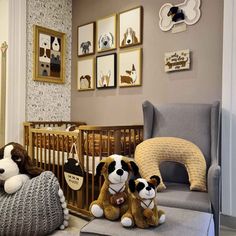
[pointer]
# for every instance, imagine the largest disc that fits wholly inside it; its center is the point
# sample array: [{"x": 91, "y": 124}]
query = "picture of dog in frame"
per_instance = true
[
  {"x": 130, "y": 27},
  {"x": 86, "y": 39}
]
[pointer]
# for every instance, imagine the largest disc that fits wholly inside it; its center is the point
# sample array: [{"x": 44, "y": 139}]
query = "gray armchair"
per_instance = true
[{"x": 200, "y": 124}]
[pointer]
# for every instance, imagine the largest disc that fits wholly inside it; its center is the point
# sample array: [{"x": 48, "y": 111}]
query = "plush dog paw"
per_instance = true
[
  {"x": 162, "y": 219},
  {"x": 126, "y": 222},
  {"x": 14, "y": 183},
  {"x": 97, "y": 211}
]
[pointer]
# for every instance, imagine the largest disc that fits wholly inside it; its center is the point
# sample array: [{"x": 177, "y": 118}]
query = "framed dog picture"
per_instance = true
[
  {"x": 86, "y": 45},
  {"x": 106, "y": 34},
  {"x": 106, "y": 71},
  {"x": 85, "y": 74},
  {"x": 130, "y": 27},
  {"x": 49, "y": 55},
  {"x": 130, "y": 68}
]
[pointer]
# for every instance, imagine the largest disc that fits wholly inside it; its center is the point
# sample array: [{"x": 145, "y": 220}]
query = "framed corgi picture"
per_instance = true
[
  {"x": 130, "y": 27},
  {"x": 106, "y": 71},
  {"x": 130, "y": 68},
  {"x": 106, "y": 34},
  {"x": 85, "y": 74},
  {"x": 85, "y": 43},
  {"x": 49, "y": 55}
]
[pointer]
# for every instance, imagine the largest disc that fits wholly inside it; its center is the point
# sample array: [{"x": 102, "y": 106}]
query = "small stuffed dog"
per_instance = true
[
  {"x": 113, "y": 201},
  {"x": 16, "y": 167},
  {"x": 143, "y": 210}
]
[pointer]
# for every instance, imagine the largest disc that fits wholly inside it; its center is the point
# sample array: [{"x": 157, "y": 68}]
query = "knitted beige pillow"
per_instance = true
[{"x": 150, "y": 153}]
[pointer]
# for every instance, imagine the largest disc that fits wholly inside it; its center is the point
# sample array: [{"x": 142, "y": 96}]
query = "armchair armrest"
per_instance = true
[
  {"x": 148, "y": 116},
  {"x": 213, "y": 182}
]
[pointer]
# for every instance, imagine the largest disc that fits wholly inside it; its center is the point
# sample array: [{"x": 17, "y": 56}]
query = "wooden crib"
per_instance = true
[{"x": 51, "y": 148}]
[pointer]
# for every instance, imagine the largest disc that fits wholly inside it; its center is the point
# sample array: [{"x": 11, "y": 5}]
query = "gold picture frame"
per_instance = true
[
  {"x": 86, "y": 74},
  {"x": 131, "y": 27},
  {"x": 106, "y": 33},
  {"x": 49, "y": 55},
  {"x": 86, "y": 39},
  {"x": 130, "y": 68}
]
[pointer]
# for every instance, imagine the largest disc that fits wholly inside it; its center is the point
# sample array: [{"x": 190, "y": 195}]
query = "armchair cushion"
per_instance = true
[
  {"x": 152, "y": 152},
  {"x": 179, "y": 196}
]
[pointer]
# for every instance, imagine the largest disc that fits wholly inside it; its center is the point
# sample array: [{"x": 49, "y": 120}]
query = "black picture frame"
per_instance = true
[{"x": 104, "y": 71}]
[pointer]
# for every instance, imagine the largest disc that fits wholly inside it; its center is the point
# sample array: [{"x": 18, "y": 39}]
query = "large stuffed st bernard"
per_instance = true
[
  {"x": 113, "y": 201},
  {"x": 16, "y": 167}
]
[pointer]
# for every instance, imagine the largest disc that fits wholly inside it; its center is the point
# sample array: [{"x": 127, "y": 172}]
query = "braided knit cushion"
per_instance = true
[
  {"x": 150, "y": 153},
  {"x": 35, "y": 209}
]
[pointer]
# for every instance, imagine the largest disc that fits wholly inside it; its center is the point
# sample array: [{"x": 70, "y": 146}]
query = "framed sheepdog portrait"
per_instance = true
[
  {"x": 130, "y": 68},
  {"x": 49, "y": 55},
  {"x": 106, "y": 34},
  {"x": 85, "y": 74},
  {"x": 130, "y": 27},
  {"x": 106, "y": 71},
  {"x": 85, "y": 43}
]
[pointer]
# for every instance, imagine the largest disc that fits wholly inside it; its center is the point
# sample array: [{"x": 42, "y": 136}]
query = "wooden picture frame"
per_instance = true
[
  {"x": 86, "y": 74},
  {"x": 131, "y": 27},
  {"x": 49, "y": 55},
  {"x": 130, "y": 68},
  {"x": 106, "y": 71},
  {"x": 106, "y": 33},
  {"x": 86, "y": 39}
]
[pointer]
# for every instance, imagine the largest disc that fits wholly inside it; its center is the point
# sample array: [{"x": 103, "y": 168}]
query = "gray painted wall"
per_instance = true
[
  {"x": 201, "y": 84},
  {"x": 48, "y": 101}
]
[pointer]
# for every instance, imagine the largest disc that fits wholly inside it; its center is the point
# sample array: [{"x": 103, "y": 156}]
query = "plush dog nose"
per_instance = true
[
  {"x": 120, "y": 172},
  {"x": 2, "y": 171},
  {"x": 148, "y": 188}
]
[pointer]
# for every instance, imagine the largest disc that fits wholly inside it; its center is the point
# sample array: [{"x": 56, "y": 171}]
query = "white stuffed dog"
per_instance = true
[{"x": 16, "y": 167}]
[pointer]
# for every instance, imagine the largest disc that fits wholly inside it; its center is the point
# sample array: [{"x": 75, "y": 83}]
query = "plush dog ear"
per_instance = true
[
  {"x": 30, "y": 168},
  {"x": 1, "y": 152},
  {"x": 133, "y": 167},
  {"x": 155, "y": 180},
  {"x": 100, "y": 168},
  {"x": 132, "y": 185}
]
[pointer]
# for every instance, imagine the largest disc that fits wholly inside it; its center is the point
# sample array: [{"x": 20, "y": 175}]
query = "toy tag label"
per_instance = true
[{"x": 74, "y": 174}]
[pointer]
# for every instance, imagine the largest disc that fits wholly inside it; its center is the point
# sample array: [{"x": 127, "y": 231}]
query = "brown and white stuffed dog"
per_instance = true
[
  {"x": 143, "y": 211},
  {"x": 16, "y": 167},
  {"x": 112, "y": 201}
]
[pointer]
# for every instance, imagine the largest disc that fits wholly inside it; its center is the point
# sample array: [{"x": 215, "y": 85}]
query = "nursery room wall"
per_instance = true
[
  {"x": 201, "y": 84},
  {"x": 48, "y": 101},
  {"x": 3, "y": 38}
]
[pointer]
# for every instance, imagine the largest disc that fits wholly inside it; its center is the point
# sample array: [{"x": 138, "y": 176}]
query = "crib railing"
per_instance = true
[{"x": 51, "y": 148}]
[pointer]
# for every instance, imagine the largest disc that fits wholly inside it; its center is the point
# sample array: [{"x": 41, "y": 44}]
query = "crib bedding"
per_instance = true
[
  {"x": 47, "y": 156},
  {"x": 94, "y": 144}
]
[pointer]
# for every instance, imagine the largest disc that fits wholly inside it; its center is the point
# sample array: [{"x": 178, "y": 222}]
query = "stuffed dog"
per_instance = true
[
  {"x": 16, "y": 167},
  {"x": 112, "y": 201},
  {"x": 143, "y": 210}
]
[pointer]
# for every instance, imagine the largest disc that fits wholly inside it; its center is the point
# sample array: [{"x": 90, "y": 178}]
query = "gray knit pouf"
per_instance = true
[{"x": 36, "y": 209}]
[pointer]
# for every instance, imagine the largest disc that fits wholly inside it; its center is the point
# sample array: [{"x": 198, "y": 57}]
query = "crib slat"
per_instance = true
[{"x": 41, "y": 158}]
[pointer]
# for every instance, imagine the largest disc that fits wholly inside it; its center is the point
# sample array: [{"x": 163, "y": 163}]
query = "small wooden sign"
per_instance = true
[
  {"x": 179, "y": 60},
  {"x": 74, "y": 174}
]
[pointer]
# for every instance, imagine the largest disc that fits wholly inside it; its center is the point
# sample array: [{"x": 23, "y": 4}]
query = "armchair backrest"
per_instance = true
[{"x": 198, "y": 123}]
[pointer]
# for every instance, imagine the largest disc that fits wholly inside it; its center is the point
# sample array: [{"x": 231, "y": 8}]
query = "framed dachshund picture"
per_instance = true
[
  {"x": 130, "y": 68},
  {"x": 106, "y": 34},
  {"x": 86, "y": 35},
  {"x": 85, "y": 74},
  {"x": 130, "y": 27},
  {"x": 106, "y": 71},
  {"x": 49, "y": 55}
]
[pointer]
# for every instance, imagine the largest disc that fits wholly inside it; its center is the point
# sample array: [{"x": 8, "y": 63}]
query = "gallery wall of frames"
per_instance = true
[{"x": 110, "y": 68}]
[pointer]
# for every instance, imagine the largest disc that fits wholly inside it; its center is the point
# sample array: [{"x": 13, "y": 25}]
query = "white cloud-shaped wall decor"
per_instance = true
[{"x": 190, "y": 9}]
